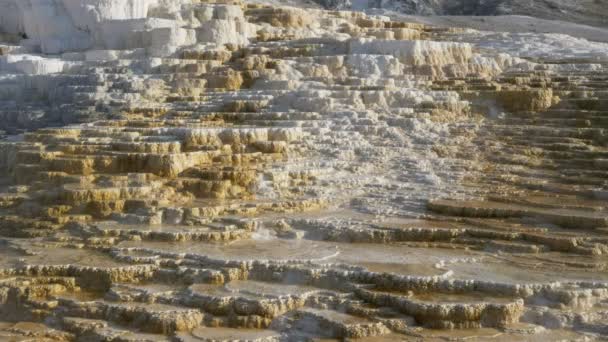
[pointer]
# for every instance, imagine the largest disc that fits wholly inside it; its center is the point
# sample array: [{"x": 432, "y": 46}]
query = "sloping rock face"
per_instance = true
[
  {"x": 223, "y": 171},
  {"x": 586, "y": 12}
]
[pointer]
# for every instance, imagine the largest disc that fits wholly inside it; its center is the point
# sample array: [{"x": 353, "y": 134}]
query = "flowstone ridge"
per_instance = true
[{"x": 193, "y": 170}]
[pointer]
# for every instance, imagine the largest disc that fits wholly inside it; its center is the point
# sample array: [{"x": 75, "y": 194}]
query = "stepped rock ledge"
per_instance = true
[{"x": 230, "y": 170}]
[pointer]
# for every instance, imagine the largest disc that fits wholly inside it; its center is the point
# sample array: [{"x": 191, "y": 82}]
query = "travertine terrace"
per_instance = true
[{"x": 188, "y": 170}]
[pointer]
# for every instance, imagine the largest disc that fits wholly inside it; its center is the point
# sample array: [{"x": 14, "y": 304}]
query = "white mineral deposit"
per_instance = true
[{"x": 252, "y": 170}]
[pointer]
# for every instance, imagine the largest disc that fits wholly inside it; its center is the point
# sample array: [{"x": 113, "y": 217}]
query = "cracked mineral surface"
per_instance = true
[{"x": 188, "y": 170}]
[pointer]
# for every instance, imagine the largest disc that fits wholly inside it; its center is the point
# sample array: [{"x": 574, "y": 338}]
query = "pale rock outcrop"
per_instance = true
[{"x": 194, "y": 170}]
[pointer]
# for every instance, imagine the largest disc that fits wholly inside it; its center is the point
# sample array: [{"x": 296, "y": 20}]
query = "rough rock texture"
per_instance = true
[{"x": 227, "y": 171}]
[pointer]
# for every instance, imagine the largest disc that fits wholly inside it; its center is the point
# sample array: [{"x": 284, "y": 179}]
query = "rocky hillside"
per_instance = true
[
  {"x": 587, "y": 12},
  {"x": 186, "y": 170}
]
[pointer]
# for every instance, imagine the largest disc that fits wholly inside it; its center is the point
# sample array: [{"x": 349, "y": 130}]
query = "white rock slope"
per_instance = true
[{"x": 212, "y": 171}]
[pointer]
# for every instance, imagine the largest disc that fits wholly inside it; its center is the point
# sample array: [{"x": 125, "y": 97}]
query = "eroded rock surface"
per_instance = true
[{"x": 227, "y": 171}]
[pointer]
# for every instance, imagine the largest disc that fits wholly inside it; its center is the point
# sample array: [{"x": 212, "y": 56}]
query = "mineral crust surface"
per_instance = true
[{"x": 188, "y": 170}]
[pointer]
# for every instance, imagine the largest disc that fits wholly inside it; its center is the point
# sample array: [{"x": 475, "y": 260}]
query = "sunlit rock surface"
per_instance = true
[{"x": 198, "y": 171}]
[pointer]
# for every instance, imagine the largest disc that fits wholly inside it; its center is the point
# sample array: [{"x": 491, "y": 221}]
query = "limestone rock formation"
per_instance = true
[{"x": 187, "y": 170}]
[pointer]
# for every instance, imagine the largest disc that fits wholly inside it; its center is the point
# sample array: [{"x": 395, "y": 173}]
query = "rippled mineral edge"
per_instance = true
[{"x": 193, "y": 170}]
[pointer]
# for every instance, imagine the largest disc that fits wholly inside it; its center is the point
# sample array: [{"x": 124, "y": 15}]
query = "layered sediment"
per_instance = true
[{"x": 212, "y": 171}]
